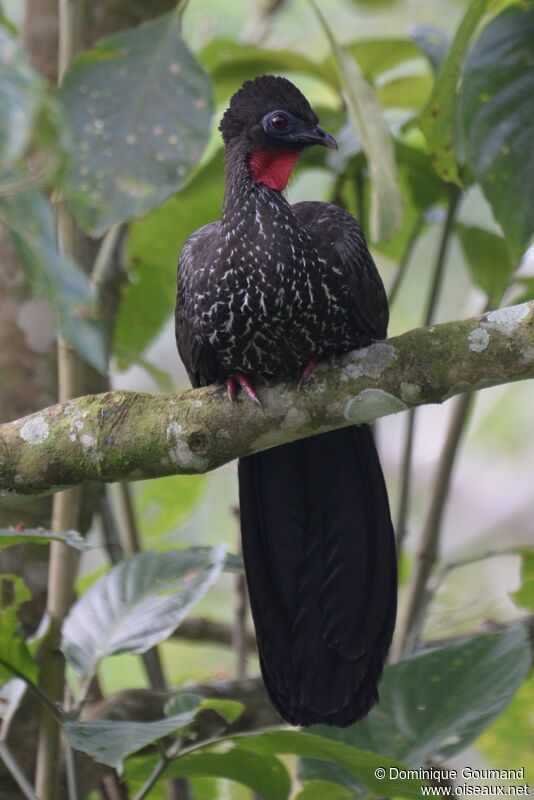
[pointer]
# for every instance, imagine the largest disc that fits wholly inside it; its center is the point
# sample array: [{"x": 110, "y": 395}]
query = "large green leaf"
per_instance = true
[
  {"x": 433, "y": 42},
  {"x": 360, "y": 763},
  {"x": 111, "y": 741},
  {"x": 14, "y": 654},
  {"x": 495, "y": 110},
  {"x": 10, "y": 537},
  {"x": 435, "y": 704},
  {"x": 438, "y": 117},
  {"x": 228, "y": 710},
  {"x": 524, "y": 596},
  {"x": 509, "y": 740},
  {"x": 152, "y": 254},
  {"x": 138, "y": 604},
  {"x": 28, "y": 217},
  {"x": 139, "y": 106},
  {"x": 264, "y": 774},
  {"x": 21, "y": 94},
  {"x": 367, "y": 119},
  {"x": 488, "y": 259},
  {"x": 376, "y": 56},
  {"x": 324, "y": 790},
  {"x": 230, "y": 64},
  {"x": 163, "y": 505},
  {"x": 408, "y": 91}
]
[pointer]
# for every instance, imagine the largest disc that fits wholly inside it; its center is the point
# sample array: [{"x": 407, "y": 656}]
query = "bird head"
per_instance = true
[{"x": 271, "y": 121}]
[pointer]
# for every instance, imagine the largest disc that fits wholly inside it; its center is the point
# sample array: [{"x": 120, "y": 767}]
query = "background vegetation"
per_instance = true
[{"x": 101, "y": 181}]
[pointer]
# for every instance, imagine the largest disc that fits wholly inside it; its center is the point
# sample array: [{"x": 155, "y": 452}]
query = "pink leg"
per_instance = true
[
  {"x": 307, "y": 371},
  {"x": 231, "y": 389},
  {"x": 248, "y": 388}
]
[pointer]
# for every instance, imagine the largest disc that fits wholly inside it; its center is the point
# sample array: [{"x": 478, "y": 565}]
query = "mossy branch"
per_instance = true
[{"x": 122, "y": 436}]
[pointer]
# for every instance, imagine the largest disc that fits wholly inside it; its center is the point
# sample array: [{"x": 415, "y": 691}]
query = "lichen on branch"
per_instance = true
[{"x": 123, "y": 436}]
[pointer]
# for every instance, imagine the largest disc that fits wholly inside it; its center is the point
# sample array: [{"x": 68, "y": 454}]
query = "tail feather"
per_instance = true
[{"x": 321, "y": 570}]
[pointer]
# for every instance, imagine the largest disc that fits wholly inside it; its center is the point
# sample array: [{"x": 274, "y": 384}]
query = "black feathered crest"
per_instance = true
[{"x": 259, "y": 96}]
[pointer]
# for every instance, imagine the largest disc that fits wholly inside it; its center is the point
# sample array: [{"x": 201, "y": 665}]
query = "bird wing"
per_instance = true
[
  {"x": 340, "y": 240},
  {"x": 197, "y": 358}
]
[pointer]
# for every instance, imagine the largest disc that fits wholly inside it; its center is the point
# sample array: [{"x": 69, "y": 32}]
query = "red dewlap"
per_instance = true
[{"x": 273, "y": 167}]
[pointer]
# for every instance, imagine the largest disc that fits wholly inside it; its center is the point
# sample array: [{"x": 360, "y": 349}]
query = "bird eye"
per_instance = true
[{"x": 279, "y": 121}]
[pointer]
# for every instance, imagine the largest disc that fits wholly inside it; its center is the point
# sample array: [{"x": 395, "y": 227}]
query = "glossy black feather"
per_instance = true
[
  {"x": 261, "y": 292},
  {"x": 320, "y": 560}
]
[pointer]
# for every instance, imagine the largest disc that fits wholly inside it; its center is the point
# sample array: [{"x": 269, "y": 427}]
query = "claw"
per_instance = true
[
  {"x": 248, "y": 388},
  {"x": 231, "y": 389},
  {"x": 307, "y": 371}
]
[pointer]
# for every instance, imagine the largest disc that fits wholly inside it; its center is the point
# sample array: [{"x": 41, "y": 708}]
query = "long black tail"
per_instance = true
[{"x": 321, "y": 570}]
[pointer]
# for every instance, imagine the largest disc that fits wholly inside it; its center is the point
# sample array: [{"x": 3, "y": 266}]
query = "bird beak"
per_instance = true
[{"x": 316, "y": 135}]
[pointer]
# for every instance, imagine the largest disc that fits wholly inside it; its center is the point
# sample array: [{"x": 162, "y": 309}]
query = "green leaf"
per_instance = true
[
  {"x": 488, "y": 258},
  {"x": 28, "y": 217},
  {"x": 508, "y": 743},
  {"x": 409, "y": 91},
  {"x": 111, "y": 741},
  {"x": 433, "y": 42},
  {"x": 495, "y": 111},
  {"x": 152, "y": 253},
  {"x": 164, "y": 504},
  {"x": 361, "y": 764},
  {"x": 367, "y": 119},
  {"x": 265, "y": 775},
  {"x": 435, "y": 704},
  {"x": 21, "y": 94},
  {"x": 11, "y": 696},
  {"x": 139, "y": 106},
  {"x": 10, "y": 537},
  {"x": 376, "y": 56},
  {"x": 230, "y": 63},
  {"x": 14, "y": 654},
  {"x": 229, "y": 710},
  {"x": 524, "y": 597},
  {"x": 438, "y": 117},
  {"x": 138, "y": 604},
  {"x": 324, "y": 790}
]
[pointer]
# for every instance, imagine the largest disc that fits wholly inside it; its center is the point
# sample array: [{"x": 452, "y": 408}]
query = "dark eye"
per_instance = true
[{"x": 279, "y": 121}]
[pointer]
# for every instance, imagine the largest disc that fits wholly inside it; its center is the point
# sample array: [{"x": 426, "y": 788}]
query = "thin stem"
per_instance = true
[
  {"x": 401, "y": 527},
  {"x": 360, "y": 201},
  {"x": 111, "y": 788},
  {"x": 439, "y": 271},
  {"x": 104, "y": 262},
  {"x": 446, "y": 569},
  {"x": 419, "y": 595},
  {"x": 124, "y": 514},
  {"x": 159, "y": 769},
  {"x": 73, "y": 782},
  {"x": 17, "y": 774},
  {"x": 433, "y": 297},
  {"x": 405, "y": 259},
  {"x": 239, "y": 630},
  {"x": 37, "y": 692},
  {"x": 66, "y": 505}
]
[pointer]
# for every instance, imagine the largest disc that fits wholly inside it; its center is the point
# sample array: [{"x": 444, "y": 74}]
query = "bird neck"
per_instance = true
[{"x": 254, "y": 183}]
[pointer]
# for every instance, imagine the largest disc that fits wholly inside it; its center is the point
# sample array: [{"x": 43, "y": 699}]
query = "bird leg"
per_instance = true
[
  {"x": 245, "y": 384},
  {"x": 307, "y": 371},
  {"x": 231, "y": 389}
]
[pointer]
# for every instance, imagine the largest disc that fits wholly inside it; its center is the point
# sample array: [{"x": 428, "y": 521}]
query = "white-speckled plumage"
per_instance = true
[{"x": 272, "y": 285}]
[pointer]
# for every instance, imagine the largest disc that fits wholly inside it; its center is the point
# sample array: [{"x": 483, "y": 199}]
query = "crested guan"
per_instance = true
[{"x": 267, "y": 291}]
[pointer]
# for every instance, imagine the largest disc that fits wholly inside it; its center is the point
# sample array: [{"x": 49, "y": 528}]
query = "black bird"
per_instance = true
[{"x": 267, "y": 291}]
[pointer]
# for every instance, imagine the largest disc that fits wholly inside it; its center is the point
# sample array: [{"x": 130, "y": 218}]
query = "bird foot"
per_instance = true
[{"x": 245, "y": 384}]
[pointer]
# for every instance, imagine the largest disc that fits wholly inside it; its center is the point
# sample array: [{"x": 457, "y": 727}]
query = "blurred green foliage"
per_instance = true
[{"x": 130, "y": 140}]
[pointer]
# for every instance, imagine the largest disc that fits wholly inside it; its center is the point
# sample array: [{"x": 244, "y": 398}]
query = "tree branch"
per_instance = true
[{"x": 120, "y": 436}]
